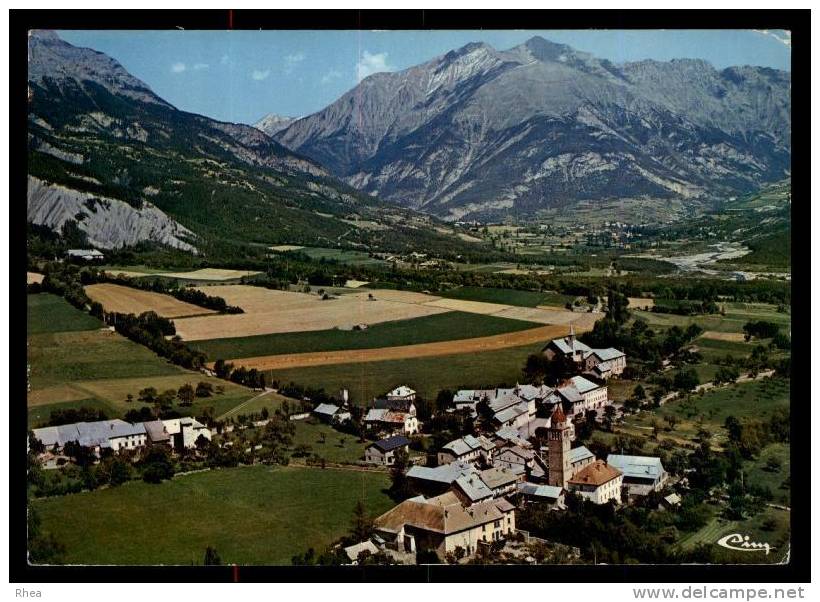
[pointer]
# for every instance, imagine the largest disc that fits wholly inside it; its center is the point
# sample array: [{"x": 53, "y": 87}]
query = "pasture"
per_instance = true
[
  {"x": 427, "y": 375},
  {"x": 448, "y": 326},
  {"x": 507, "y": 296},
  {"x": 440, "y": 348},
  {"x": 251, "y": 515},
  {"x": 49, "y": 313},
  {"x": 127, "y": 300}
]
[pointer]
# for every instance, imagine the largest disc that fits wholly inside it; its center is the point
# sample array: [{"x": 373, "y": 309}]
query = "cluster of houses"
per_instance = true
[
  {"x": 468, "y": 499},
  {"x": 116, "y": 435}
]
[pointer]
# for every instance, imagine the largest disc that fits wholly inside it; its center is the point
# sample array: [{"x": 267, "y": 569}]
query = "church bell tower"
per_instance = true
[{"x": 558, "y": 439}]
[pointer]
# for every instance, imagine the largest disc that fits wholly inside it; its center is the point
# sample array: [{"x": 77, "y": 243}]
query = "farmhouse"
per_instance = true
[
  {"x": 157, "y": 433},
  {"x": 465, "y": 449},
  {"x": 384, "y": 451},
  {"x": 330, "y": 413},
  {"x": 598, "y": 482},
  {"x": 185, "y": 431},
  {"x": 391, "y": 421},
  {"x": 642, "y": 474},
  {"x": 442, "y": 524},
  {"x": 103, "y": 434}
]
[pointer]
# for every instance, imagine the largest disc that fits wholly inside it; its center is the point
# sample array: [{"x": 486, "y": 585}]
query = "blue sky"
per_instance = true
[{"x": 240, "y": 76}]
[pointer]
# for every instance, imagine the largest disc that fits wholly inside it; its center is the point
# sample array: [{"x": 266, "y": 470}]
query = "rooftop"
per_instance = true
[
  {"x": 446, "y": 473},
  {"x": 577, "y": 454},
  {"x": 328, "y": 409},
  {"x": 642, "y": 467},
  {"x": 391, "y": 443},
  {"x": 543, "y": 491},
  {"x": 597, "y": 473},
  {"x": 441, "y": 516},
  {"x": 610, "y": 353}
]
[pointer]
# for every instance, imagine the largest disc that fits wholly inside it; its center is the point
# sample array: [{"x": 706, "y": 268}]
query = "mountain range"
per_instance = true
[
  {"x": 480, "y": 134},
  {"x": 109, "y": 156},
  {"x": 474, "y": 134}
]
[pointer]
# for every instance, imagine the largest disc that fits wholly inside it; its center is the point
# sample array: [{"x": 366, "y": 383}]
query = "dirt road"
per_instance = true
[{"x": 542, "y": 334}]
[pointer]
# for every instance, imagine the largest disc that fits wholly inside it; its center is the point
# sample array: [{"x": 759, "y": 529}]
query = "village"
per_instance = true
[{"x": 462, "y": 500}]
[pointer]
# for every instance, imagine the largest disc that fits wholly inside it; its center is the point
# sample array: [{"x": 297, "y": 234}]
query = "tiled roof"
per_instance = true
[{"x": 597, "y": 473}]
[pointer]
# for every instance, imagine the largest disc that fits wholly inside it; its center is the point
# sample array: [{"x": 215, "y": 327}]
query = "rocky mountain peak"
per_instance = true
[
  {"x": 273, "y": 123},
  {"x": 51, "y": 59}
]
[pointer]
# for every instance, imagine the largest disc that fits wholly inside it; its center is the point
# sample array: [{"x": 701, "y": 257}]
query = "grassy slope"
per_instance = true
[
  {"x": 440, "y": 327},
  {"x": 507, "y": 296},
  {"x": 425, "y": 375},
  {"x": 95, "y": 368},
  {"x": 253, "y": 515}
]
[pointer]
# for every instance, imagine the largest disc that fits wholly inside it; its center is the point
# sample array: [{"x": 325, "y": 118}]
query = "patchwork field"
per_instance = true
[
  {"x": 124, "y": 299},
  {"x": 439, "y": 327},
  {"x": 238, "y": 511},
  {"x": 81, "y": 365},
  {"x": 272, "y": 311}
]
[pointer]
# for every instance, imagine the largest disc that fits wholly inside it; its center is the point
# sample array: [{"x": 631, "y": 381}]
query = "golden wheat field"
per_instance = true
[{"x": 124, "y": 299}]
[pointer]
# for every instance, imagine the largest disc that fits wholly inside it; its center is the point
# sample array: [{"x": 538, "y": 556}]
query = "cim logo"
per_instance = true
[{"x": 741, "y": 543}]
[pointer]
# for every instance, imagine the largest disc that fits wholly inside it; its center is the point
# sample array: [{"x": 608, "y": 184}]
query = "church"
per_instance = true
[{"x": 592, "y": 479}]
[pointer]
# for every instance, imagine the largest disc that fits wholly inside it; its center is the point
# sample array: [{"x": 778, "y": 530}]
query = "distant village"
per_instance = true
[{"x": 468, "y": 499}]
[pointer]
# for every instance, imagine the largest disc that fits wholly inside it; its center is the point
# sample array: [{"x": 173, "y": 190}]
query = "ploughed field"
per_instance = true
[
  {"x": 127, "y": 300},
  {"x": 251, "y": 515}
]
